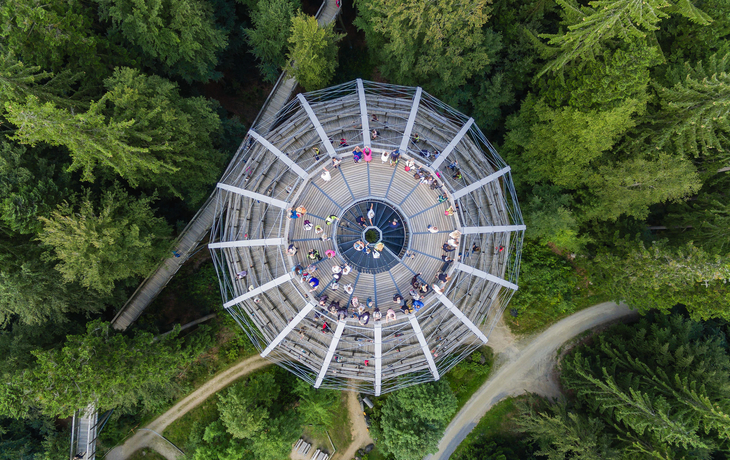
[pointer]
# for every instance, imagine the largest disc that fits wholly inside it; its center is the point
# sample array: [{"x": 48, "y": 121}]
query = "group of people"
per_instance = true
[{"x": 361, "y": 311}]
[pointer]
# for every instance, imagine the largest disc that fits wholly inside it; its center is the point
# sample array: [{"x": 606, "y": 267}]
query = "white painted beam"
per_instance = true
[
  {"x": 287, "y": 161},
  {"x": 424, "y": 346},
  {"x": 462, "y": 317},
  {"x": 289, "y": 327},
  {"x": 378, "y": 342},
  {"x": 492, "y": 229},
  {"x": 271, "y": 284},
  {"x": 452, "y": 145},
  {"x": 363, "y": 114},
  {"x": 254, "y": 195},
  {"x": 485, "y": 275},
  {"x": 247, "y": 243},
  {"x": 411, "y": 121},
  {"x": 476, "y": 185},
  {"x": 317, "y": 125},
  {"x": 330, "y": 353}
]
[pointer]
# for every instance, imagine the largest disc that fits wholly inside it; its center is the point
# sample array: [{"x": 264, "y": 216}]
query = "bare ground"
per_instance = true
[{"x": 358, "y": 428}]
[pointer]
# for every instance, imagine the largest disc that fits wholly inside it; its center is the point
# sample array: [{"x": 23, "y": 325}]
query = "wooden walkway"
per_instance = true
[{"x": 200, "y": 225}]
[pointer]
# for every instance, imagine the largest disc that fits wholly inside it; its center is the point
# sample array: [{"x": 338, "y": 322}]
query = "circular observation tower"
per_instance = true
[{"x": 385, "y": 229}]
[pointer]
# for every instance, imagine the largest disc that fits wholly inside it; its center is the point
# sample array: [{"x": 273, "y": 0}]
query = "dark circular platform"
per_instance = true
[{"x": 355, "y": 226}]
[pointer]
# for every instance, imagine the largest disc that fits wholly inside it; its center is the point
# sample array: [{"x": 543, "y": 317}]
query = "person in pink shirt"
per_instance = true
[
  {"x": 367, "y": 154},
  {"x": 330, "y": 253}
]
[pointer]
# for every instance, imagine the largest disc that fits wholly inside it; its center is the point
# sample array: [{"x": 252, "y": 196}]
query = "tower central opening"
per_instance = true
[{"x": 372, "y": 235}]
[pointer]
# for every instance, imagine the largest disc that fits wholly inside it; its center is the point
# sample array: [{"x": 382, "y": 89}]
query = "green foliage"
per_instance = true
[
  {"x": 550, "y": 219},
  {"x": 315, "y": 405},
  {"x": 313, "y": 50},
  {"x": 591, "y": 27},
  {"x": 413, "y": 419},
  {"x": 548, "y": 288},
  {"x": 118, "y": 372},
  {"x": 179, "y": 33},
  {"x": 496, "y": 436},
  {"x": 630, "y": 187},
  {"x": 694, "y": 112},
  {"x": 51, "y": 34},
  {"x": 561, "y": 145},
  {"x": 30, "y": 187},
  {"x": 99, "y": 245},
  {"x": 438, "y": 45},
  {"x": 32, "y": 292},
  {"x": 141, "y": 128},
  {"x": 561, "y": 434},
  {"x": 268, "y": 39},
  {"x": 18, "y": 81},
  {"x": 661, "y": 385},
  {"x": 706, "y": 219},
  {"x": 244, "y": 408},
  {"x": 659, "y": 277},
  {"x": 468, "y": 376}
]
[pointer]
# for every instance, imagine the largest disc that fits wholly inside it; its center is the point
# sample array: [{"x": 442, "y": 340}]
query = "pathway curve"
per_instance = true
[
  {"x": 151, "y": 439},
  {"x": 525, "y": 366}
]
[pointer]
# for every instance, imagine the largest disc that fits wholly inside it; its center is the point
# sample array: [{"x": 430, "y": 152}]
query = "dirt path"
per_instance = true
[
  {"x": 358, "y": 428},
  {"x": 527, "y": 365},
  {"x": 145, "y": 438}
]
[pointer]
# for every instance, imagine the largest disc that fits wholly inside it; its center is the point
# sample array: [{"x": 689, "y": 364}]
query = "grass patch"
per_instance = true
[
  {"x": 178, "y": 432},
  {"x": 146, "y": 454},
  {"x": 497, "y": 423},
  {"x": 466, "y": 377}
]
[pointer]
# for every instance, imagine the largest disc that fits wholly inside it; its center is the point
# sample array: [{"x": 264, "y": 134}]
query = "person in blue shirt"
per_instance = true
[
  {"x": 313, "y": 282},
  {"x": 417, "y": 304}
]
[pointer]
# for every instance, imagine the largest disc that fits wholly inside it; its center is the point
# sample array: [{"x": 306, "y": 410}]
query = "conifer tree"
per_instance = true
[
  {"x": 98, "y": 245},
  {"x": 18, "y": 81},
  {"x": 435, "y": 44},
  {"x": 590, "y": 27},
  {"x": 694, "y": 113},
  {"x": 181, "y": 34}
]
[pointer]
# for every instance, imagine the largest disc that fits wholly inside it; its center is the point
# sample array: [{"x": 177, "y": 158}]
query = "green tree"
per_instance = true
[
  {"x": 141, "y": 128},
  {"x": 562, "y": 145},
  {"x": 32, "y": 292},
  {"x": 659, "y": 277},
  {"x": 662, "y": 384},
  {"x": 315, "y": 405},
  {"x": 693, "y": 119},
  {"x": 181, "y": 34},
  {"x": 103, "y": 366},
  {"x": 268, "y": 39},
  {"x": 51, "y": 34},
  {"x": 244, "y": 408},
  {"x": 589, "y": 27},
  {"x": 31, "y": 186},
  {"x": 18, "y": 81},
  {"x": 438, "y": 45},
  {"x": 413, "y": 419},
  {"x": 560, "y": 434},
  {"x": 629, "y": 187},
  {"x": 312, "y": 57},
  {"x": 549, "y": 217},
  {"x": 98, "y": 245}
]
